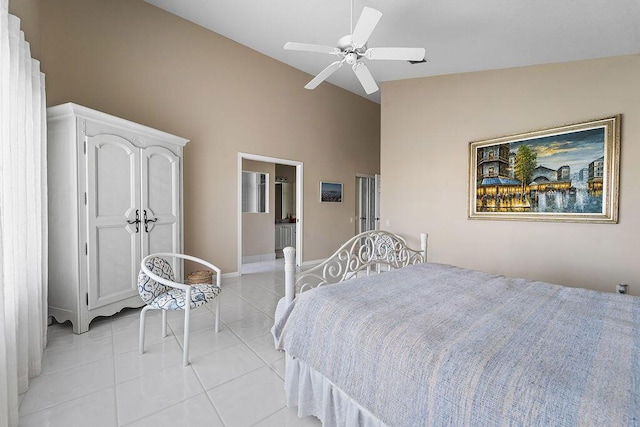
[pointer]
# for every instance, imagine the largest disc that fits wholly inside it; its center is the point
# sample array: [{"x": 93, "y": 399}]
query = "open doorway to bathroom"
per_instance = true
[
  {"x": 285, "y": 208},
  {"x": 264, "y": 233}
]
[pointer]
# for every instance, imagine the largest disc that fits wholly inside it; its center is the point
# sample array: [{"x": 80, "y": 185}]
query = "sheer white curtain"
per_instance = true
[{"x": 23, "y": 216}]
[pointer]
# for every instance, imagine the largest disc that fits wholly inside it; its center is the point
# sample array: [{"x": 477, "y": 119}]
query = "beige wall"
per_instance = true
[
  {"x": 130, "y": 59},
  {"x": 29, "y": 13},
  {"x": 258, "y": 229},
  {"x": 427, "y": 125}
]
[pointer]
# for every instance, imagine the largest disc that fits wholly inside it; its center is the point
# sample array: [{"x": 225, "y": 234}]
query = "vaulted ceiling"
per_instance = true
[{"x": 458, "y": 35}]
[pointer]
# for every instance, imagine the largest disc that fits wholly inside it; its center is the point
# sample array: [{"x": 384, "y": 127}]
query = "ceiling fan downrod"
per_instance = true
[{"x": 351, "y": 28}]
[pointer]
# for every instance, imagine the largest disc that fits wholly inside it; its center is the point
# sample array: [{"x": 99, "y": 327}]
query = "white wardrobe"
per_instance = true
[{"x": 115, "y": 195}]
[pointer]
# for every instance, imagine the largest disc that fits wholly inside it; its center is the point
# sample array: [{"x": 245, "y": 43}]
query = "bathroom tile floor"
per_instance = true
[{"x": 235, "y": 377}]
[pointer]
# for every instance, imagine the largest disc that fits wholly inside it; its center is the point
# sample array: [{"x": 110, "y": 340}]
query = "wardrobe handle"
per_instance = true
[
  {"x": 147, "y": 221},
  {"x": 137, "y": 221}
]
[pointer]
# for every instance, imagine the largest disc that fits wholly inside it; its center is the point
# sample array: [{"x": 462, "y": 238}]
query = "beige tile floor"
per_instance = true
[{"x": 235, "y": 377}]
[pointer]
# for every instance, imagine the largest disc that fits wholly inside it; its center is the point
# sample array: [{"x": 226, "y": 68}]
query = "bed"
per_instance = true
[{"x": 433, "y": 344}]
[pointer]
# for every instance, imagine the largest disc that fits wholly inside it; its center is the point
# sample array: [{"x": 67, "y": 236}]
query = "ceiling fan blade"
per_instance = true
[
  {"x": 306, "y": 47},
  {"x": 366, "y": 79},
  {"x": 396, "y": 53},
  {"x": 365, "y": 26},
  {"x": 324, "y": 74}
]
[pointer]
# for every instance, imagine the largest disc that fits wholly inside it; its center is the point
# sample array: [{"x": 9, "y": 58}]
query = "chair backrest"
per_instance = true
[{"x": 148, "y": 288}]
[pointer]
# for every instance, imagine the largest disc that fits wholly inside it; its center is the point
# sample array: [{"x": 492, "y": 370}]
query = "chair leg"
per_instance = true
[
  {"x": 187, "y": 315},
  {"x": 164, "y": 323},
  {"x": 142, "y": 328},
  {"x": 217, "y": 313}
]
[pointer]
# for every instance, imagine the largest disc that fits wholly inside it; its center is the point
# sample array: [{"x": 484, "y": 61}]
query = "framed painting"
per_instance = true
[
  {"x": 330, "y": 192},
  {"x": 568, "y": 173}
]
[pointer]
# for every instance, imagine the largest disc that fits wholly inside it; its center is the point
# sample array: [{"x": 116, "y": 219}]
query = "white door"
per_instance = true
[
  {"x": 113, "y": 201},
  {"x": 160, "y": 204},
  {"x": 368, "y": 203},
  {"x": 376, "y": 203}
]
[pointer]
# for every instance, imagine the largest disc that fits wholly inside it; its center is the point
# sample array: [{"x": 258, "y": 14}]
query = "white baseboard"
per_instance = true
[
  {"x": 233, "y": 274},
  {"x": 313, "y": 262},
  {"x": 257, "y": 258}
]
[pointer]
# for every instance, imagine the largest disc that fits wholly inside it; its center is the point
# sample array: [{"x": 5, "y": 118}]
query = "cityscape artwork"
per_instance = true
[
  {"x": 568, "y": 173},
  {"x": 330, "y": 192}
]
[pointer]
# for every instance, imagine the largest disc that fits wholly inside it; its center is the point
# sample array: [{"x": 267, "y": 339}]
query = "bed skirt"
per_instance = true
[{"x": 315, "y": 395}]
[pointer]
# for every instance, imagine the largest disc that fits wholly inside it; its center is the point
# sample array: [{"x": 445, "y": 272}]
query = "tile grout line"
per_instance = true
[
  {"x": 268, "y": 365},
  {"x": 115, "y": 384},
  {"x": 215, "y": 408},
  {"x": 271, "y": 414},
  {"x": 21, "y": 414},
  {"x": 246, "y": 344},
  {"x": 245, "y": 341},
  {"x": 227, "y": 382},
  {"x": 63, "y": 402},
  {"x": 252, "y": 305},
  {"x": 190, "y": 366}
]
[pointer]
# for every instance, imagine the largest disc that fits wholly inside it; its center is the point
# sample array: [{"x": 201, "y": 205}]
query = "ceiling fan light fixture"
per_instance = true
[{"x": 353, "y": 47}]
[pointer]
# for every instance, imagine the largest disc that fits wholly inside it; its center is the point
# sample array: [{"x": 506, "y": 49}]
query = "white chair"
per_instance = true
[{"x": 158, "y": 289}]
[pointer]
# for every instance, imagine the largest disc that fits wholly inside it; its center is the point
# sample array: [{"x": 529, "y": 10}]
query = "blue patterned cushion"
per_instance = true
[
  {"x": 148, "y": 288},
  {"x": 174, "y": 299}
]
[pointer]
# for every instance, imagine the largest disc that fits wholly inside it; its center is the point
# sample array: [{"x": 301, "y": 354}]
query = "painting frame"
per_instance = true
[
  {"x": 499, "y": 166},
  {"x": 331, "y": 192}
]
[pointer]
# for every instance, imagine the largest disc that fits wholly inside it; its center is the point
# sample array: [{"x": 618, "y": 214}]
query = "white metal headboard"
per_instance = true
[{"x": 366, "y": 253}]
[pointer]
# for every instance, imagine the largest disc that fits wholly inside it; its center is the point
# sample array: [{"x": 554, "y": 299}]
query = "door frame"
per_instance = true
[{"x": 299, "y": 200}]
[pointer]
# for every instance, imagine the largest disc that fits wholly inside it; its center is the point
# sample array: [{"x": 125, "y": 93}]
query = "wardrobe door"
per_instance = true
[
  {"x": 113, "y": 201},
  {"x": 161, "y": 231}
]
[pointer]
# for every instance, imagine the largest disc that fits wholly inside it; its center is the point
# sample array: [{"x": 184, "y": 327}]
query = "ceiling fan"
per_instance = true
[{"x": 353, "y": 48}]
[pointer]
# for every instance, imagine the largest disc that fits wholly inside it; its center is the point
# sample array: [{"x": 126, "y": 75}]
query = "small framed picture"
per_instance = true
[{"x": 330, "y": 192}]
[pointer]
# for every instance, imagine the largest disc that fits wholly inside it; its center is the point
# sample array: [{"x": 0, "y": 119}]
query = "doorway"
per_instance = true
[
  {"x": 296, "y": 220},
  {"x": 285, "y": 208},
  {"x": 368, "y": 202}
]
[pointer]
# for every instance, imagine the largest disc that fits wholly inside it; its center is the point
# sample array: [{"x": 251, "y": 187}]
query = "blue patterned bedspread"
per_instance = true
[{"x": 438, "y": 345}]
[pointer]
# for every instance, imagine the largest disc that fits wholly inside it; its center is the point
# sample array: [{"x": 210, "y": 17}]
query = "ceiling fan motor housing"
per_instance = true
[
  {"x": 345, "y": 43},
  {"x": 350, "y": 52},
  {"x": 351, "y": 58}
]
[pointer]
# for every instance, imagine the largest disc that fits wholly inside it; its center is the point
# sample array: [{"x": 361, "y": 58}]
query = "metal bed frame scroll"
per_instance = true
[{"x": 370, "y": 252}]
